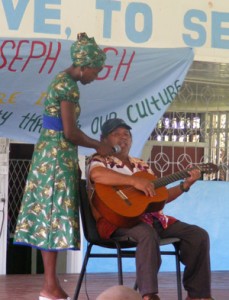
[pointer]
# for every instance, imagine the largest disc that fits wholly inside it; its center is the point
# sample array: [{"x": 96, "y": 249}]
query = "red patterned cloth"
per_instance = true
[
  {"x": 105, "y": 228},
  {"x": 165, "y": 220}
]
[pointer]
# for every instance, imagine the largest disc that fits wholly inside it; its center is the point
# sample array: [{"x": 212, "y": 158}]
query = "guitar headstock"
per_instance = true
[{"x": 207, "y": 168}]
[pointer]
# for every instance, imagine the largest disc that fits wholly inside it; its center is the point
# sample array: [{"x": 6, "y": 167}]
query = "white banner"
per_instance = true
[
  {"x": 137, "y": 84},
  {"x": 201, "y": 25}
]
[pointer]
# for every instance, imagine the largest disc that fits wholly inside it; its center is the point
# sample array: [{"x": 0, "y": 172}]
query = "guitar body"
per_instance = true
[{"x": 123, "y": 205}]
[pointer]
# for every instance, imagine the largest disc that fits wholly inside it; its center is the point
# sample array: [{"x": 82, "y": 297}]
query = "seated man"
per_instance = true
[{"x": 194, "y": 246}]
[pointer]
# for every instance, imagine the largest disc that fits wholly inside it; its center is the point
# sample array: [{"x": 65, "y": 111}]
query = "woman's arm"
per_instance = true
[{"x": 77, "y": 136}]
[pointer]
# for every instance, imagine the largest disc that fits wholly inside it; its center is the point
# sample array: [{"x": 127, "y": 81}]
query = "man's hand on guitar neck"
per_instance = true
[
  {"x": 184, "y": 186},
  {"x": 194, "y": 176}
]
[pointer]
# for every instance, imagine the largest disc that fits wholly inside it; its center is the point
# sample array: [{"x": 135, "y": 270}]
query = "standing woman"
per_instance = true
[{"x": 48, "y": 218}]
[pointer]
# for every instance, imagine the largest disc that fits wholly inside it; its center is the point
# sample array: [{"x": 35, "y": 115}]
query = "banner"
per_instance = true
[
  {"x": 201, "y": 25},
  {"x": 136, "y": 84}
]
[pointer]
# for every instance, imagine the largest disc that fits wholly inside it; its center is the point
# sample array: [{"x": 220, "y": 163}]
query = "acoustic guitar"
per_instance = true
[{"x": 123, "y": 205}]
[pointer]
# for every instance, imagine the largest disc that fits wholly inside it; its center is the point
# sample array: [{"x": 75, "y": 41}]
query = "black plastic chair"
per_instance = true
[{"x": 123, "y": 247}]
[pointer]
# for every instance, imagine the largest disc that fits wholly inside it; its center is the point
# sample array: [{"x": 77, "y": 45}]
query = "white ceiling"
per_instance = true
[{"x": 208, "y": 72}]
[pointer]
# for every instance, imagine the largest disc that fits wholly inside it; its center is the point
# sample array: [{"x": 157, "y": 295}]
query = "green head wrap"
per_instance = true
[{"x": 85, "y": 52}]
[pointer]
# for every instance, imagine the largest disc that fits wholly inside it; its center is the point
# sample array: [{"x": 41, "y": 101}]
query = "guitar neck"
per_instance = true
[{"x": 170, "y": 178}]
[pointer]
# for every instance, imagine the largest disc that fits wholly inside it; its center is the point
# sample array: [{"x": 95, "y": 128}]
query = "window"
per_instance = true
[{"x": 194, "y": 131}]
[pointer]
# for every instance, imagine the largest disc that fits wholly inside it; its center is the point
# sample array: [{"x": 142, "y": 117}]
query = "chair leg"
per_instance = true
[
  {"x": 82, "y": 272},
  {"x": 178, "y": 272},
  {"x": 135, "y": 285},
  {"x": 119, "y": 259}
]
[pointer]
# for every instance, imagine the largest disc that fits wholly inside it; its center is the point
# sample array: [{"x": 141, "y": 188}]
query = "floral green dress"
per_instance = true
[{"x": 49, "y": 218}]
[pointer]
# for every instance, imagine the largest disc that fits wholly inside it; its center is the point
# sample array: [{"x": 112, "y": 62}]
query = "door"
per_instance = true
[{"x": 4, "y": 233}]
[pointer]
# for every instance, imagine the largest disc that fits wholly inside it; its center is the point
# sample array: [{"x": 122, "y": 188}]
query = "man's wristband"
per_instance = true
[{"x": 183, "y": 189}]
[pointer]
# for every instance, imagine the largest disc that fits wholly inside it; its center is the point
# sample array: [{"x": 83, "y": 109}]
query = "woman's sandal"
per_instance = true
[{"x": 45, "y": 298}]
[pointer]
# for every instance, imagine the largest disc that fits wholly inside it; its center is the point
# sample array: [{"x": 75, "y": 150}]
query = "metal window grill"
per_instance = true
[
  {"x": 194, "y": 130},
  {"x": 18, "y": 171}
]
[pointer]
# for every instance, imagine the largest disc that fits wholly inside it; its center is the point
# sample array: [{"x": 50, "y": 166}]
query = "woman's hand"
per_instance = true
[{"x": 104, "y": 149}]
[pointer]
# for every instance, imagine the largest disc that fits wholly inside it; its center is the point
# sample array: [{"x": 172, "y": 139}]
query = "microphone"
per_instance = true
[{"x": 116, "y": 149}]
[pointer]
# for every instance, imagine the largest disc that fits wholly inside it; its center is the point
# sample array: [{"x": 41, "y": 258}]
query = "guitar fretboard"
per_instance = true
[{"x": 170, "y": 178}]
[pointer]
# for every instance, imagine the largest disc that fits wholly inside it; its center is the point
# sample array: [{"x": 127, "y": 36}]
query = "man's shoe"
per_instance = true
[
  {"x": 188, "y": 298},
  {"x": 151, "y": 297}
]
